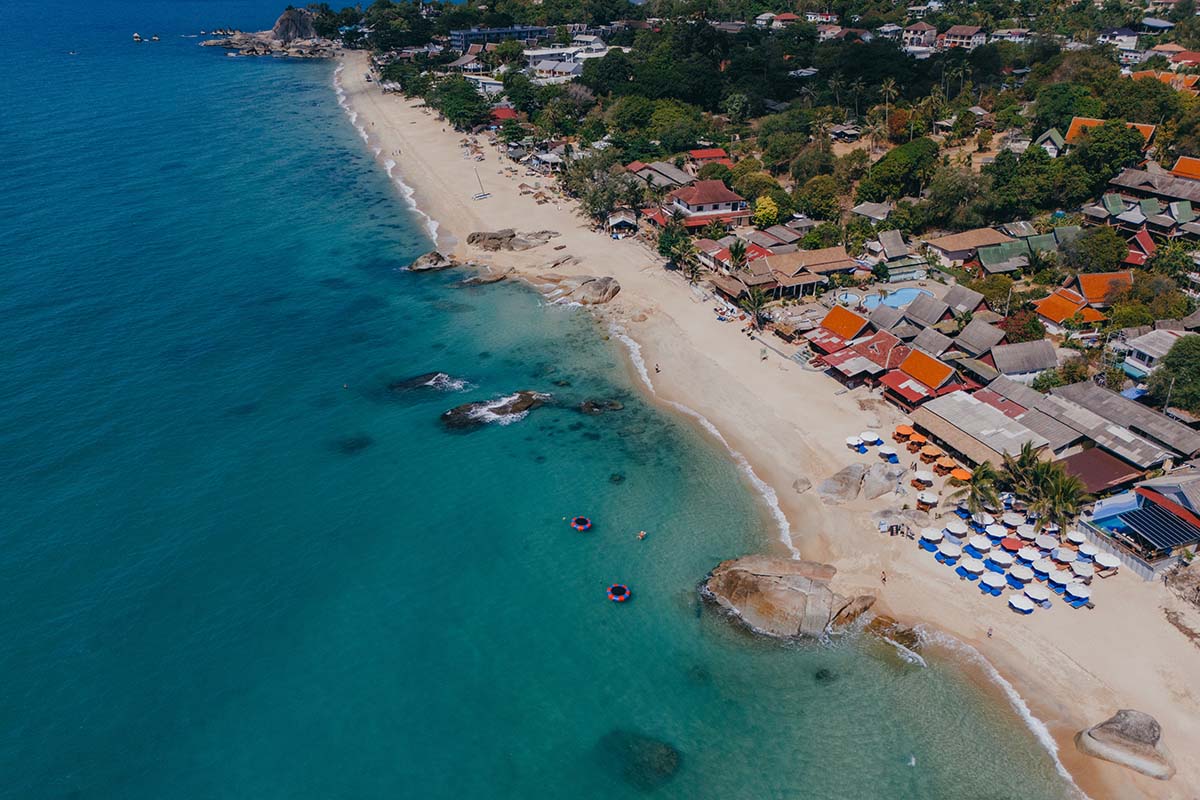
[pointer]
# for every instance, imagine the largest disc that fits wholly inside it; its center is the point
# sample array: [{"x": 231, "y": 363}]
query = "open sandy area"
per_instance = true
[{"x": 1073, "y": 668}]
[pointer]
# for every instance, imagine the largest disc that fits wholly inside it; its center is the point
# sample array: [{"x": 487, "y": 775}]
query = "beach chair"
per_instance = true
[
  {"x": 925, "y": 544},
  {"x": 966, "y": 576},
  {"x": 993, "y": 566},
  {"x": 1014, "y": 583}
]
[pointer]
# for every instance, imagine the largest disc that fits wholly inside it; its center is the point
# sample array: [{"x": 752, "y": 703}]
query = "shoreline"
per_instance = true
[{"x": 1059, "y": 668}]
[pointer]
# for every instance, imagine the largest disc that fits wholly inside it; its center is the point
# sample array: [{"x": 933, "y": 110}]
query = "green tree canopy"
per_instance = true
[{"x": 1179, "y": 375}]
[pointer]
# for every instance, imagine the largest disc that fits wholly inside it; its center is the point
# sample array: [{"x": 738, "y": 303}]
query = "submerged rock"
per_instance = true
[
  {"x": 781, "y": 597},
  {"x": 824, "y": 675},
  {"x": 1129, "y": 738},
  {"x": 502, "y": 410},
  {"x": 600, "y": 406},
  {"x": 352, "y": 445},
  {"x": 643, "y": 762},
  {"x": 437, "y": 381}
]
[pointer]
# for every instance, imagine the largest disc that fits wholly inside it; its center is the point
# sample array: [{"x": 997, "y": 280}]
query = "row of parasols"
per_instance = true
[{"x": 1000, "y": 559}]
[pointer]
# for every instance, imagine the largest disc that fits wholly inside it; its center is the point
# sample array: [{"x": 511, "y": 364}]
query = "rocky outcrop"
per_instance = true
[
  {"x": 292, "y": 35},
  {"x": 431, "y": 261},
  {"x": 483, "y": 280},
  {"x": 1129, "y": 738},
  {"x": 881, "y": 478},
  {"x": 583, "y": 289},
  {"x": 509, "y": 239},
  {"x": 600, "y": 406},
  {"x": 842, "y": 486},
  {"x": 801, "y": 485},
  {"x": 502, "y": 410},
  {"x": 781, "y": 596}
]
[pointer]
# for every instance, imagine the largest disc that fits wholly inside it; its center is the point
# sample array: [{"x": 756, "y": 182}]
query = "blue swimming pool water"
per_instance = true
[{"x": 896, "y": 299}]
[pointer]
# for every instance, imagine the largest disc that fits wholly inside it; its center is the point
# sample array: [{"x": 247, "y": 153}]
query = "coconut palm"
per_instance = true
[
  {"x": 737, "y": 255},
  {"x": 1059, "y": 497},
  {"x": 753, "y": 304},
  {"x": 836, "y": 85},
  {"x": 980, "y": 491},
  {"x": 857, "y": 87},
  {"x": 1020, "y": 471},
  {"x": 888, "y": 92}
]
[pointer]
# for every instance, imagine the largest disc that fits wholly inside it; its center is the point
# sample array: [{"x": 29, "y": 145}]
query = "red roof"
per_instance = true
[
  {"x": 883, "y": 349},
  {"x": 1186, "y": 57},
  {"x": 1096, "y": 286},
  {"x": 999, "y": 402},
  {"x": 787, "y": 16},
  {"x": 753, "y": 253},
  {"x": 911, "y": 389},
  {"x": 503, "y": 113},
  {"x": 705, "y": 193},
  {"x": 1062, "y": 304},
  {"x": 1187, "y": 167},
  {"x": 844, "y": 322},
  {"x": 706, "y": 154},
  {"x": 634, "y": 166},
  {"x": 825, "y": 340}
]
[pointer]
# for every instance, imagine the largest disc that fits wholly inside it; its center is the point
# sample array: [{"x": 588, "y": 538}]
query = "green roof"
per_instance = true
[
  {"x": 1150, "y": 206},
  {"x": 1113, "y": 204},
  {"x": 1067, "y": 233},
  {"x": 1052, "y": 136},
  {"x": 1182, "y": 211},
  {"x": 998, "y": 253},
  {"x": 1043, "y": 243}
]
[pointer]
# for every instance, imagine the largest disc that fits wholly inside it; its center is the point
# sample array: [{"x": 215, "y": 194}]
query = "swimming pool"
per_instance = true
[{"x": 896, "y": 299}]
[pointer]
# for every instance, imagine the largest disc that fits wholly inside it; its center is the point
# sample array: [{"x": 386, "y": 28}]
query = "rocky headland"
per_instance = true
[{"x": 293, "y": 35}]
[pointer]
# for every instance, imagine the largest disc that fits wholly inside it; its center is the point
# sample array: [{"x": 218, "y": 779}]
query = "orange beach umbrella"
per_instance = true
[
  {"x": 931, "y": 450},
  {"x": 904, "y": 430},
  {"x": 918, "y": 438},
  {"x": 947, "y": 462},
  {"x": 960, "y": 474}
]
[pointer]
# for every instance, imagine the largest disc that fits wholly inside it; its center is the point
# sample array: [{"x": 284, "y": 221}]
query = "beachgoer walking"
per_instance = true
[
  {"x": 657, "y": 368},
  {"x": 989, "y": 633},
  {"x": 883, "y": 577}
]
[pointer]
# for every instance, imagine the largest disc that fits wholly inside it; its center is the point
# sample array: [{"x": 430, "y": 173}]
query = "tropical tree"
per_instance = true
[
  {"x": 753, "y": 304},
  {"x": 737, "y": 255},
  {"x": 1019, "y": 470},
  {"x": 980, "y": 491},
  {"x": 857, "y": 87},
  {"x": 888, "y": 92},
  {"x": 1059, "y": 497}
]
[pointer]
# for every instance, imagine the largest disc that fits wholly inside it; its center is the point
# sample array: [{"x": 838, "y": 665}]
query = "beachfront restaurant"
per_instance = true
[
  {"x": 1149, "y": 525},
  {"x": 973, "y": 430}
]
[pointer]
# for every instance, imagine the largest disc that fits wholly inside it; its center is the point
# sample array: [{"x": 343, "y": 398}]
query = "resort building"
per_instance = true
[
  {"x": 962, "y": 300},
  {"x": 958, "y": 248},
  {"x": 975, "y": 431},
  {"x": 867, "y": 359},
  {"x": 1080, "y": 125},
  {"x": 1154, "y": 523},
  {"x": 837, "y": 329},
  {"x": 978, "y": 338},
  {"x": 926, "y": 310},
  {"x": 462, "y": 39},
  {"x": 660, "y": 174},
  {"x": 919, "y": 378},
  {"x": 919, "y": 34},
  {"x": 1063, "y": 306},
  {"x": 967, "y": 37},
  {"x": 1024, "y": 361},
  {"x": 1099, "y": 288},
  {"x": 1146, "y": 351},
  {"x": 1137, "y": 433},
  {"x": 707, "y": 201}
]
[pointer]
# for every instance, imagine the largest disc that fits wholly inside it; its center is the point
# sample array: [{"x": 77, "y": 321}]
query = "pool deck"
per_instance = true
[{"x": 935, "y": 288}]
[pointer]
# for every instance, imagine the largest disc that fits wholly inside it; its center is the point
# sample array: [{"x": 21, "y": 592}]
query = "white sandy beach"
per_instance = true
[{"x": 1073, "y": 668}]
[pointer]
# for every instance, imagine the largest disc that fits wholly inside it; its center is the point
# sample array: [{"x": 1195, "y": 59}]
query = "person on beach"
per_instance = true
[
  {"x": 657, "y": 368},
  {"x": 883, "y": 577}
]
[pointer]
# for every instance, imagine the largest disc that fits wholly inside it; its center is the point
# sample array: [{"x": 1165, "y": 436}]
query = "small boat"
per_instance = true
[
  {"x": 154, "y": 38},
  {"x": 137, "y": 37}
]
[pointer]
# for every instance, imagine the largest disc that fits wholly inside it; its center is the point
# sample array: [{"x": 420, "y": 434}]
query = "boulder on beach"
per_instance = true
[
  {"x": 801, "y": 485},
  {"x": 1129, "y": 738},
  {"x": 503, "y": 410},
  {"x": 842, "y": 486},
  {"x": 433, "y": 260},
  {"x": 643, "y": 762},
  {"x": 782, "y": 597},
  {"x": 881, "y": 478},
  {"x": 509, "y": 239}
]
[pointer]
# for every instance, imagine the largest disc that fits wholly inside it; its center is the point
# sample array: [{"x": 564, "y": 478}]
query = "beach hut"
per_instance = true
[
  {"x": 948, "y": 553},
  {"x": 1064, "y": 555},
  {"x": 956, "y": 527},
  {"x": 902, "y": 433},
  {"x": 929, "y": 539},
  {"x": 869, "y": 437},
  {"x": 1020, "y": 603},
  {"x": 1045, "y": 542},
  {"x": 992, "y": 584},
  {"x": 1012, "y": 519},
  {"x": 1075, "y": 537},
  {"x": 926, "y": 501},
  {"x": 959, "y": 474},
  {"x": 1037, "y": 593},
  {"x": 1028, "y": 555},
  {"x": 1026, "y": 532},
  {"x": 1083, "y": 569}
]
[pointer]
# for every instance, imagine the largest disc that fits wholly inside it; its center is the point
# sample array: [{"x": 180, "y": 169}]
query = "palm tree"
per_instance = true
[
  {"x": 835, "y": 85},
  {"x": 1020, "y": 472},
  {"x": 684, "y": 256},
  {"x": 980, "y": 491},
  {"x": 889, "y": 92},
  {"x": 737, "y": 255},
  {"x": 856, "y": 88},
  {"x": 1059, "y": 498},
  {"x": 753, "y": 304},
  {"x": 808, "y": 94},
  {"x": 875, "y": 131}
]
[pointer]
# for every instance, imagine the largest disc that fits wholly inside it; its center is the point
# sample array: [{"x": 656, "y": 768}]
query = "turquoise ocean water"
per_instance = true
[{"x": 235, "y": 564}]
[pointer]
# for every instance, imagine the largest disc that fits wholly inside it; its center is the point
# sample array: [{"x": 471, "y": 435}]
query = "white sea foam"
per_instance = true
[
  {"x": 908, "y": 655},
  {"x": 764, "y": 489},
  {"x": 446, "y": 383},
  {"x": 1035, "y": 725},
  {"x": 389, "y": 165},
  {"x": 485, "y": 412}
]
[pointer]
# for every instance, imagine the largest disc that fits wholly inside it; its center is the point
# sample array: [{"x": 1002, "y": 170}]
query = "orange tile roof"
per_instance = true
[
  {"x": 1081, "y": 124},
  {"x": 926, "y": 369},
  {"x": 1187, "y": 167},
  {"x": 1059, "y": 306},
  {"x": 1096, "y": 286},
  {"x": 844, "y": 322}
]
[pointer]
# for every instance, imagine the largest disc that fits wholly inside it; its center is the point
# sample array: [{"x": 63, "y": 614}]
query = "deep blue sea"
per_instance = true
[{"x": 236, "y": 564}]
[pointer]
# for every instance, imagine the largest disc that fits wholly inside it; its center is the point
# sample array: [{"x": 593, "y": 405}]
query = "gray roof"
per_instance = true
[
  {"x": 1161, "y": 184},
  {"x": 884, "y": 316},
  {"x": 1021, "y": 229},
  {"x": 987, "y": 425},
  {"x": 932, "y": 342},
  {"x": 1015, "y": 359},
  {"x": 1156, "y": 343},
  {"x": 660, "y": 173},
  {"x": 1057, "y": 433},
  {"x": 1019, "y": 393},
  {"x": 893, "y": 245},
  {"x": 905, "y": 330},
  {"x": 926, "y": 310},
  {"x": 785, "y": 234},
  {"x": 876, "y": 211},
  {"x": 961, "y": 299},
  {"x": 1182, "y": 486},
  {"x": 978, "y": 337},
  {"x": 1136, "y": 417}
]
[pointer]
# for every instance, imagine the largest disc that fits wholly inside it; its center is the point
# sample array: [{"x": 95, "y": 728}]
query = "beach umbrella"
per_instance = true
[
  {"x": 1021, "y": 573},
  {"x": 931, "y": 450},
  {"x": 928, "y": 498},
  {"x": 1012, "y": 519},
  {"x": 1056, "y": 577},
  {"x": 1075, "y": 537},
  {"x": 983, "y": 518},
  {"x": 960, "y": 474},
  {"x": 1107, "y": 561},
  {"x": 956, "y": 527},
  {"x": 1043, "y": 565},
  {"x": 887, "y": 450},
  {"x": 972, "y": 564},
  {"x": 1080, "y": 590},
  {"x": 1064, "y": 555},
  {"x": 853, "y": 441},
  {"x": 924, "y": 476},
  {"x": 931, "y": 535},
  {"x": 1020, "y": 603},
  {"x": 1046, "y": 542},
  {"x": 869, "y": 437},
  {"x": 980, "y": 543},
  {"x": 1001, "y": 558},
  {"x": 996, "y": 531},
  {"x": 1029, "y": 554},
  {"x": 992, "y": 580},
  {"x": 904, "y": 430},
  {"x": 1083, "y": 569},
  {"x": 918, "y": 438},
  {"x": 945, "y": 462},
  {"x": 949, "y": 549},
  {"x": 1050, "y": 527},
  {"x": 1026, "y": 531},
  {"x": 1037, "y": 592},
  {"x": 1088, "y": 549},
  {"x": 1010, "y": 544}
]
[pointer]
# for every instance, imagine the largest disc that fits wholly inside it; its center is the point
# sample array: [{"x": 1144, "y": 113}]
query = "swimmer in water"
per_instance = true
[{"x": 641, "y": 535}]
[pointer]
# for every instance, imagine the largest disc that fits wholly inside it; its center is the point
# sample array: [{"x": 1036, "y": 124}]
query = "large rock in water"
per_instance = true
[
  {"x": 433, "y": 260},
  {"x": 782, "y": 596},
  {"x": 293, "y": 24},
  {"x": 503, "y": 410},
  {"x": 1129, "y": 738}
]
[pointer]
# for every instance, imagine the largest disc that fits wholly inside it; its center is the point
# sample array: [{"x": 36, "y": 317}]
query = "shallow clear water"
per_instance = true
[{"x": 236, "y": 565}]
